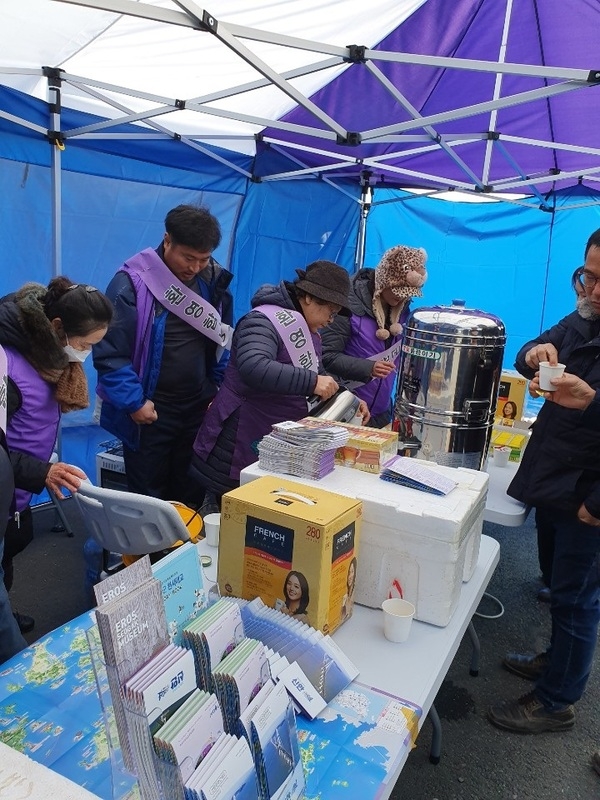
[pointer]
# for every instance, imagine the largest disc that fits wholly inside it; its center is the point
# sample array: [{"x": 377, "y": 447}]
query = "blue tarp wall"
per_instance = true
[{"x": 508, "y": 260}]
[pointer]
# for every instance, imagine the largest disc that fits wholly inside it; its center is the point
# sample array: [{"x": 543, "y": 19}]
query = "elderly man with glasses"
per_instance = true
[{"x": 560, "y": 477}]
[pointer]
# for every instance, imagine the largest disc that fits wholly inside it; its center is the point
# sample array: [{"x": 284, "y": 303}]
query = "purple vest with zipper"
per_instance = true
[
  {"x": 34, "y": 427},
  {"x": 363, "y": 343},
  {"x": 257, "y": 413}
]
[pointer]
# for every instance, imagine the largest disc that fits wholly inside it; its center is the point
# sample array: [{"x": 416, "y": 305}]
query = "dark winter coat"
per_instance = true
[
  {"x": 560, "y": 468},
  {"x": 261, "y": 387}
]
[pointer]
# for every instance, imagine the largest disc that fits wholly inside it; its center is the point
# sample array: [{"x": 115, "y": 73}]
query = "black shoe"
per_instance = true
[
  {"x": 26, "y": 624},
  {"x": 528, "y": 715},
  {"x": 596, "y": 761},
  {"x": 544, "y": 595},
  {"x": 528, "y": 667}
]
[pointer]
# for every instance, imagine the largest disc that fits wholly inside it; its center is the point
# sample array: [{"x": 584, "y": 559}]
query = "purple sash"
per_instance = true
[
  {"x": 3, "y": 389},
  {"x": 183, "y": 301},
  {"x": 386, "y": 355},
  {"x": 295, "y": 335}
]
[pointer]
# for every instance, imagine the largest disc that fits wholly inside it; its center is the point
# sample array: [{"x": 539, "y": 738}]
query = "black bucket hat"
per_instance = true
[{"x": 326, "y": 281}]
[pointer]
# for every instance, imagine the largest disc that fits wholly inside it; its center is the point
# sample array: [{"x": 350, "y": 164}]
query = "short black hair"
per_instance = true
[
  {"x": 593, "y": 241},
  {"x": 193, "y": 226}
]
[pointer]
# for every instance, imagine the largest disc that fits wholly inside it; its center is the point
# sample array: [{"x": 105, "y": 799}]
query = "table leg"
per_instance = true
[
  {"x": 436, "y": 737},
  {"x": 474, "y": 668}
]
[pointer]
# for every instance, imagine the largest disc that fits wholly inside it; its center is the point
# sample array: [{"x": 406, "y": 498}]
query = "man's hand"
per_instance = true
[
  {"x": 381, "y": 369},
  {"x": 145, "y": 415},
  {"x": 583, "y": 515},
  {"x": 541, "y": 352},
  {"x": 363, "y": 410},
  {"x": 326, "y": 387},
  {"x": 571, "y": 391},
  {"x": 63, "y": 476}
]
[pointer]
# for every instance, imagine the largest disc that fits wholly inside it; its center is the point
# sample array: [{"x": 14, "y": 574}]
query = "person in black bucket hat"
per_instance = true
[
  {"x": 326, "y": 281},
  {"x": 275, "y": 365}
]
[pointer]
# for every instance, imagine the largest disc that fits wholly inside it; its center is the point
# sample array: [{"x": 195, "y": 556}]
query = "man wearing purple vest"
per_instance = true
[
  {"x": 158, "y": 367},
  {"x": 362, "y": 351}
]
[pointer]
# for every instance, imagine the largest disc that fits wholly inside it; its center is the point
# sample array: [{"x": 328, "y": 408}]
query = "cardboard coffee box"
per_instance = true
[
  {"x": 512, "y": 392},
  {"x": 367, "y": 449},
  {"x": 288, "y": 544}
]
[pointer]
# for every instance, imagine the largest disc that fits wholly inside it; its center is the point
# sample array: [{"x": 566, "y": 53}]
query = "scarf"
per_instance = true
[{"x": 45, "y": 353}]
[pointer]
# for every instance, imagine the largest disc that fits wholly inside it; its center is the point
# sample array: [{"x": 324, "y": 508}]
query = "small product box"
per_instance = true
[
  {"x": 511, "y": 398},
  {"x": 294, "y": 546},
  {"x": 367, "y": 449},
  {"x": 516, "y": 438}
]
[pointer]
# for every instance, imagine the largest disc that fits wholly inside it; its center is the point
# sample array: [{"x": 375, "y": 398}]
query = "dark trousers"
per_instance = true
[
  {"x": 160, "y": 467},
  {"x": 19, "y": 534},
  {"x": 545, "y": 523},
  {"x": 575, "y": 610}
]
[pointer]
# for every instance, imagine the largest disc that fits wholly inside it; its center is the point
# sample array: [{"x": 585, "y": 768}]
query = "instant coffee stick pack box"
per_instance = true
[{"x": 293, "y": 546}]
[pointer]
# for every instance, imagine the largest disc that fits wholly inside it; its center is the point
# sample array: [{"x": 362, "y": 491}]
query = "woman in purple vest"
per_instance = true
[
  {"x": 379, "y": 301},
  {"x": 47, "y": 332},
  {"x": 262, "y": 384}
]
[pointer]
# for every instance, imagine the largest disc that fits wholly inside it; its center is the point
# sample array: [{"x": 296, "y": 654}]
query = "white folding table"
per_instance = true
[{"x": 415, "y": 669}]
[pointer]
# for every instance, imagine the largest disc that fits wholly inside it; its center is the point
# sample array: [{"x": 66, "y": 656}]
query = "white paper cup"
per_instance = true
[
  {"x": 547, "y": 373},
  {"x": 501, "y": 456},
  {"x": 397, "y": 618},
  {"x": 212, "y": 523}
]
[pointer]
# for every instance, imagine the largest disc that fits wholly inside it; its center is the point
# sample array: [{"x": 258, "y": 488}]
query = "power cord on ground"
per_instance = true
[{"x": 491, "y": 616}]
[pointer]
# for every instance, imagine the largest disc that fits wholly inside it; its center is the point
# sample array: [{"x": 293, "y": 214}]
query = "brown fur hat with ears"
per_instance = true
[{"x": 402, "y": 270}]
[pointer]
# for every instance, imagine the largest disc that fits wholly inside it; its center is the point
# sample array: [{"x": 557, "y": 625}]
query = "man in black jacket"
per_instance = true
[
  {"x": 560, "y": 477},
  {"x": 159, "y": 368}
]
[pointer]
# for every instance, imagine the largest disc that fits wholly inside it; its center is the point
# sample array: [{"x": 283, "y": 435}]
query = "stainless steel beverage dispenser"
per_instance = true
[{"x": 448, "y": 384}]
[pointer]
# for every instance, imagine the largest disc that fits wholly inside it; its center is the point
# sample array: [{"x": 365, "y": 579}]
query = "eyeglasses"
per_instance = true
[{"x": 587, "y": 279}]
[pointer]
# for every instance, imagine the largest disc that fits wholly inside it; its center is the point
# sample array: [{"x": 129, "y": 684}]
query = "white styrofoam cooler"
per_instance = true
[{"x": 418, "y": 543}]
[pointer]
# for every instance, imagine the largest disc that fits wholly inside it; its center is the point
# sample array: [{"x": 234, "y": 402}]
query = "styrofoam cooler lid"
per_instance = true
[{"x": 394, "y": 507}]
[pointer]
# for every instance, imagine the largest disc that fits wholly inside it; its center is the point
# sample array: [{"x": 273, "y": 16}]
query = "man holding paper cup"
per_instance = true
[{"x": 560, "y": 477}]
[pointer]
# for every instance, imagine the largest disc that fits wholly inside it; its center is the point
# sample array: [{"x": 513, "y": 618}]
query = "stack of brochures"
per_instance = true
[
  {"x": 150, "y": 697},
  {"x": 296, "y": 449},
  {"x": 414, "y": 474},
  {"x": 228, "y": 772},
  {"x": 212, "y": 636},
  {"x": 238, "y": 679},
  {"x": 310, "y": 665}
]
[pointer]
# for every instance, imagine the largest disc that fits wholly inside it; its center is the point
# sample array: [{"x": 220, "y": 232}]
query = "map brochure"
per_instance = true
[
  {"x": 132, "y": 629},
  {"x": 184, "y": 594},
  {"x": 274, "y": 742},
  {"x": 412, "y": 473},
  {"x": 358, "y": 742}
]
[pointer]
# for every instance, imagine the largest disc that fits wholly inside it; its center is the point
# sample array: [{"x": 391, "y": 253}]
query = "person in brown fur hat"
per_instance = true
[
  {"x": 399, "y": 276},
  {"x": 46, "y": 333},
  {"x": 354, "y": 350}
]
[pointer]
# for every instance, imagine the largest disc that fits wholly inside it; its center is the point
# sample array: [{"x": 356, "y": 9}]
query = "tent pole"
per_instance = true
[
  {"x": 57, "y": 144},
  {"x": 366, "y": 196}
]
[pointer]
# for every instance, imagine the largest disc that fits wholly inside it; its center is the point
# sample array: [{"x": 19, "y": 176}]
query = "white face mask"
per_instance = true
[{"x": 76, "y": 355}]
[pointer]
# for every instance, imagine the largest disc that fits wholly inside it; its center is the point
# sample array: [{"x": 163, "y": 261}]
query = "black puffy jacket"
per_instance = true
[{"x": 560, "y": 468}]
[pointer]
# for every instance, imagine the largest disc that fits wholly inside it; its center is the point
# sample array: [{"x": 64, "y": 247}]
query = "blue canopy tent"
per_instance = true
[{"x": 305, "y": 147}]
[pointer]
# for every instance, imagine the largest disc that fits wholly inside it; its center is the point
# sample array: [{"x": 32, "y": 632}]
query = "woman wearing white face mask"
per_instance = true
[{"x": 46, "y": 333}]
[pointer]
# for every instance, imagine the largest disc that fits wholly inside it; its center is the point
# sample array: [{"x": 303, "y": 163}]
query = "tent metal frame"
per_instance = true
[{"x": 418, "y": 129}]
